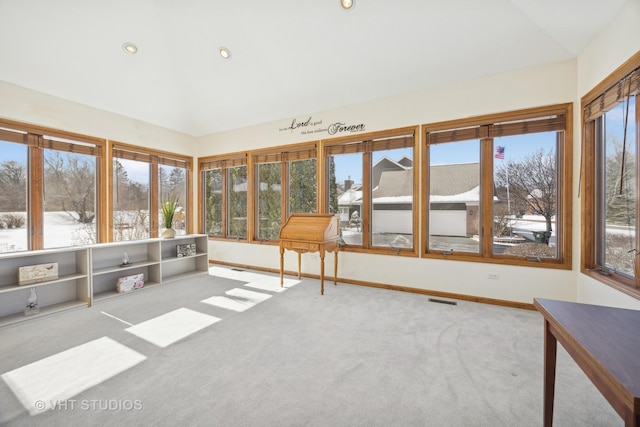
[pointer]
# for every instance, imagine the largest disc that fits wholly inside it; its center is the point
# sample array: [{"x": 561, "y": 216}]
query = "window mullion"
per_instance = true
[
  {"x": 486, "y": 197},
  {"x": 284, "y": 191},
  {"x": 153, "y": 199},
  {"x": 36, "y": 197},
  {"x": 224, "y": 197},
  {"x": 367, "y": 208}
]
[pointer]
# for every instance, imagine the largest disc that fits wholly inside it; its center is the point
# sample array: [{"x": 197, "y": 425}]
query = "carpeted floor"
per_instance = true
[{"x": 254, "y": 356}]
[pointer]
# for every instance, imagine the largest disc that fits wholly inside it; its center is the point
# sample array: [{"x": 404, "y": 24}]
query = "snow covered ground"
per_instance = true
[{"x": 60, "y": 229}]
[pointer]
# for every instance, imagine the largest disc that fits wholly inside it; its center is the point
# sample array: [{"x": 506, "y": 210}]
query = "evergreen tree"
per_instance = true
[
  {"x": 333, "y": 187},
  {"x": 237, "y": 194},
  {"x": 213, "y": 202},
  {"x": 269, "y": 201},
  {"x": 303, "y": 187}
]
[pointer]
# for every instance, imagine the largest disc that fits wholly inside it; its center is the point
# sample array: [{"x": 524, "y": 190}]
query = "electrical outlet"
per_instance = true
[{"x": 493, "y": 276}]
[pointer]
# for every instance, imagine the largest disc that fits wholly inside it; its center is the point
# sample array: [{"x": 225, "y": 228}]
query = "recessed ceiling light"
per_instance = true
[
  {"x": 130, "y": 48},
  {"x": 347, "y": 4},
  {"x": 224, "y": 53}
]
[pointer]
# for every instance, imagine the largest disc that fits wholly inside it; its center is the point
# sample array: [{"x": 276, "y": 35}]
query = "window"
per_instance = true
[
  {"x": 172, "y": 182},
  {"x": 142, "y": 180},
  {"x": 498, "y": 188},
  {"x": 70, "y": 179},
  {"x": 269, "y": 201},
  {"x": 454, "y": 196},
  {"x": 371, "y": 184},
  {"x": 285, "y": 182},
  {"x": 49, "y": 184},
  {"x": 131, "y": 203},
  {"x": 303, "y": 186},
  {"x": 14, "y": 160},
  {"x": 224, "y": 190},
  {"x": 610, "y": 181}
]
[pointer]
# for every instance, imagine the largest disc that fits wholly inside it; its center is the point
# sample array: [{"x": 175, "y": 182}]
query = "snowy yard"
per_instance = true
[{"x": 60, "y": 229}]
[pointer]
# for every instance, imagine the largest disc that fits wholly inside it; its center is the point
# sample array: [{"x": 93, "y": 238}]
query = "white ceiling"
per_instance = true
[{"x": 289, "y": 57}]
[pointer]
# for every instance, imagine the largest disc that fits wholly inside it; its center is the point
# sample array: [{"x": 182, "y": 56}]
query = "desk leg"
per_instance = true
[
  {"x": 550, "y": 351},
  {"x": 299, "y": 261},
  {"x": 321, "y": 271},
  {"x": 281, "y": 265}
]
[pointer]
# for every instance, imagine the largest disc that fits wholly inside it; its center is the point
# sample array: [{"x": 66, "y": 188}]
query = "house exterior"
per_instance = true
[
  {"x": 454, "y": 196},
  {"x": 392, "y": 183}
]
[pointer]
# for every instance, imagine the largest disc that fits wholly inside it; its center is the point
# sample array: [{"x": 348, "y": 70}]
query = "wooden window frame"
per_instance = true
[
  {"x": 367, "y": 143},
  {"x": 154, "y": 158},
  {"x": 593, "y": 105},
  {"x": 39, "y": 138},
  {"x": 283, "y": 154},
  {"x": 485, "y": 128},
  {"x": 224, "y": 163}
]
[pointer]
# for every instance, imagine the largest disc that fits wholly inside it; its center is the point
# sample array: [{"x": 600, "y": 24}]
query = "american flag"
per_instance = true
[{"x": 499, "y": 152}]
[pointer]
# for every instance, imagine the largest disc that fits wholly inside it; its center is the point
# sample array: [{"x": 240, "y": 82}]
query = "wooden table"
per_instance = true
[
  {"x": 311, "y": 233},
  {"x": 604, "y": 342}
]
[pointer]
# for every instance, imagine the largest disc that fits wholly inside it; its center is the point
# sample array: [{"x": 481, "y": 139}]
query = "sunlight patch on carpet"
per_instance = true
[
  {"x": 272, "y": 284},
  {"x": 41, "y": 385},
  {"x": 229, "y": 303},
  {"x": 171, "y": 327},
  {"x": 245, "y": 295},
  {"x": 240, "y": 275},
  {"x": 263, "y": 282}
]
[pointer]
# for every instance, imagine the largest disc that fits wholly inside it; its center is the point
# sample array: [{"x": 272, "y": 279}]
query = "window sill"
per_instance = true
[{"x": 611, "y": 281}]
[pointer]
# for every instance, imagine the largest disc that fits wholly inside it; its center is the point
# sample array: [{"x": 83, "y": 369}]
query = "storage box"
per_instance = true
[
  {"x": 130, "y": 283},
  {"x": 37, "y": 273},
  {"x": 187, "y": 249}
]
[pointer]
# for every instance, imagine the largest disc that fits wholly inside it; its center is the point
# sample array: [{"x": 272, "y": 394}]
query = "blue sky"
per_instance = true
[{"x": 516, "y": 147}]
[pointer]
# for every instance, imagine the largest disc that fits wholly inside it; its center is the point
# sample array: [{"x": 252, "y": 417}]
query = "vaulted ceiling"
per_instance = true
[{"x": 288, "y": 57}]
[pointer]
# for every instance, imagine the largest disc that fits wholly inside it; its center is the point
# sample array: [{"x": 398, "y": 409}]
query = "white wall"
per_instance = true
[
  {"x": 28, "y": 106},
  {"x": 534, "y": 87},
  {"x": 613, "y": 46}
]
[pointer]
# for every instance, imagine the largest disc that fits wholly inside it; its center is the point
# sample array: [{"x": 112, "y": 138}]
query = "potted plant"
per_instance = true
[{"x": 168, "y": 211}]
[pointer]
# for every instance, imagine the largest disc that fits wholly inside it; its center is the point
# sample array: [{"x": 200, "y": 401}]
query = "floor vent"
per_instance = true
[
  {"x": 442, "y": 301},
  {"x": 237, "y": 269}
]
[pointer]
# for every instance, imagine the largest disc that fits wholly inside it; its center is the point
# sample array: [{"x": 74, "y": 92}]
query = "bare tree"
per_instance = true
[
  {"x": 72, "y": 178},
  {"x": 620, "y": 188},
  {"x": 532, "y": 182},
  {"x": 13, "y": 186}
]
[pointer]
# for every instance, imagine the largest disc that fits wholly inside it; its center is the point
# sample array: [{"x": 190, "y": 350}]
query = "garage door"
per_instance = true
[{"x": 448, "y": 223}]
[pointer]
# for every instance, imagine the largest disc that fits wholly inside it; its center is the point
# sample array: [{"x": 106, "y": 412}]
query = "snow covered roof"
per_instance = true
[
  {"x": 394, "y": 184},
  {"x": 471, "y": 196},
  {"x": 350, "y": 197},
  {"x": 453, "y": 179}
]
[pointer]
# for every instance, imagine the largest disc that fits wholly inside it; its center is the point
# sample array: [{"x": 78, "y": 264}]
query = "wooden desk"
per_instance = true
[
  {"x": 604, "y": 342},
  {"x": 311, "y": 233}
]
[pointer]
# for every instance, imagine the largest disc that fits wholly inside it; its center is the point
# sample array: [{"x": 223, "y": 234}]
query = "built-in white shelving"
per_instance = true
[
  {"x": 70, "y": 289},
  {"x": 106, "y": 265},
  {"x": 174, "y": 267},
  {"x": 89, "y": 273}
]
